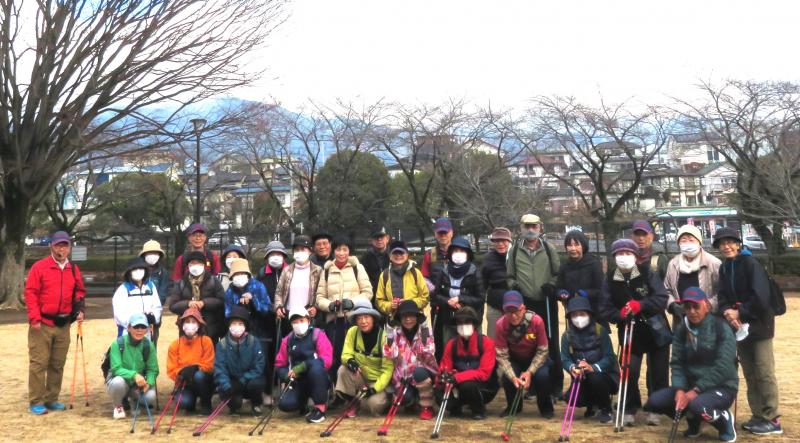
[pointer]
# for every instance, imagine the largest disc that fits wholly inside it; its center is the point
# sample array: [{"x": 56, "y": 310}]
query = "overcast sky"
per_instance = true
[{"x": 509, "y": 51}]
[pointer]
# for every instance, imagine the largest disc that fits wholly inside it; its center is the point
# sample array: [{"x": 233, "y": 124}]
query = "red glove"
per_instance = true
[
  {"x": 634, "y": 307},
  {"x": 623, "y": 312}
]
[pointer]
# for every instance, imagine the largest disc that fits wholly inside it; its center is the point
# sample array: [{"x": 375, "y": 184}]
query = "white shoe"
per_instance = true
[
  {"x": 628, "y": 420},
  {"x": 653, "y": 419},
  {"x": 119, "y": 413}
]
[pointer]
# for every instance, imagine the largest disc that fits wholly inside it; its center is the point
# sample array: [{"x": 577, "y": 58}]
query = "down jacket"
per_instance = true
[{"x": 342, "y": 284}]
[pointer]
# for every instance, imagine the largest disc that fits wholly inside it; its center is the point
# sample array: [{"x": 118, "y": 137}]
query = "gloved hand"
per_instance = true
[
  {"x": 187, "y": 373},
  {"x": 676, "y": 309},
  {"x": 335, "y": 305},
  {"x": 151, "y": 319},
  {"x": 347, "y": 305},
  {"x": 226, "y": 393},
  {"x": 299, "y": 368},
  {"x": 368, "y": 391},
  {"x": 548, "y": 290},
  {"x": 634, "y": 306},
  {"x": 448, "y": 377},
  {"x": 582, "y": 293},
  {"x": 352, "y": 365},
  {"x": 563, "y": 294}
]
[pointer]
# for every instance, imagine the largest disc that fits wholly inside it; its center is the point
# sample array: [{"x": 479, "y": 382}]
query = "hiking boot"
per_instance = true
[
  {"x": 605, "y": 416},
  {"x": 693, "y": 431},
  {"x": 55, "y": 406},
  {"x": 629, "y": 420},
  {"x": 352, "y": 411},
  {"x": 337, "y": 402},
  {"x": 590, "y": 412},
  {"x": 766, "y": 427},
  {"x": 426, "y": 413},
  {"x": 653, "y": 419},
  {"x": 119, "y": 413},
  {"x": 726, "y": 426},
  {"x": 315, "y": 416},
  {"x": 37, "y": 409},
  {"x": 547, "y": 414},
  {"x": 750, "y": 423},
  {"x": 479, "y": 414}
]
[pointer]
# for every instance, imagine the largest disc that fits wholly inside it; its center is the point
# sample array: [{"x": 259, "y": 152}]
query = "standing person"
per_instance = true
[
  {"x": 410, "y": 346},
  {"x": 231, "y": 253},
  {"x": 297, "y": 287},
  {"x": 704, "y": 376},
  {"x": 532, "y": 267},
  {"x": 401, "y": 281},
  {"x": 469, "y": 363},
  {"x": 493, "y": 273},
  {"x": 239, "y": 364},
  {"x": 744, "y": 299},
  {"x": 190, "y": 360},
  {"x": 435, "y": 259},
  {"x": 365, "y": 367},
  {"x": 199, "y": 289},
  {"x": 522, "y": 361},
  {"x": 322, "y": 248},
  {"x": 275, "y": 263},
  {"x": 459, "y": 285},
  {"x": 343, "y": 282},
  {"x": 133, "y": 366},
  {"x": 137, "y": 294},
  {"x": 269, "y": 275},
  {"x": 153, "y": 255},
  {"x": 305, "y": 355},
  {"x": 586, "y": 350},
  {"x": 582, "y": 274},
  {"x": 635, "y": 291},
  {"x": 196, "y": 234},
  {"x": 693, "y": 267},
  {"x": 54, "y": 298},
  {"x": 649, "y": 253},
  {"x": 376, "y": 259}
]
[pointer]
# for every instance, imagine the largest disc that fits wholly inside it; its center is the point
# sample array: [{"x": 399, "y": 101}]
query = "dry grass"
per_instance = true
[{"x": 94, "y": 423}]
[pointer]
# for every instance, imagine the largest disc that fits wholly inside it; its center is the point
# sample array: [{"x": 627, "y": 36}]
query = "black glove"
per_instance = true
[
  {"x": 449, "y": 377},
  {"x": 335, "y": 305},
  {"x": 676, "y": 309},
  {"x": 368, "y": 391},
  {"x": 226, "y": 393},
  {"x": 352, "y": 365},
  {"x": 347, "y": 305},
  {"x": 187, "y": 373},
  {"x": 151, "y": 319},
  {"x": 548, "y": 290}
]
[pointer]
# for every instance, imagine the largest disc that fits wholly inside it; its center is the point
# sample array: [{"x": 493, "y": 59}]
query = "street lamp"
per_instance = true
[{"x": 198, "y": 124}]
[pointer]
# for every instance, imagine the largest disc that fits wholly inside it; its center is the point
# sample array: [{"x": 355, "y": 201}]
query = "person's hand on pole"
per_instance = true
[
  {"x": 280, "y": 312},
  {"x": 453, "y": 302},
  {"x": 139, "y": 380},
  {"x": 312, "y": 311},
  {"x": 585, "y": 366},
  {"x": 36, "y": 325},
  {"x": 80, "y": 317},
  {"x": 680, "y": 400},
  {"x": 525, "y": 379}
]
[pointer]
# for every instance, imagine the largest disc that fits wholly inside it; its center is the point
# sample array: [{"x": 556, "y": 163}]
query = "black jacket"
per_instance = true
[
  {"x": 647, "y": 288},
  {"x": 471, "y": 293},
  {"x": 493, "y": 273},
  {"x": 211, "y": 294},
  {"x": 586, "y": 274},
  {"x": 743, "y": 282},
  {"x": 374, "y": 263}
]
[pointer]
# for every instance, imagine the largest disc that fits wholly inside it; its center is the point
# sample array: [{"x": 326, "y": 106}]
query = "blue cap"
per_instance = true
[
  {"x": 694, "y": 295},
  {"x": 643, "y": 225},
  {"x": 137, "y": 319},
  {"x": 512, "y": 299},
  {"x": 442, "y": 225},
  {"x": 196, "y": 227},
  {"x": 60, "y": 237}
]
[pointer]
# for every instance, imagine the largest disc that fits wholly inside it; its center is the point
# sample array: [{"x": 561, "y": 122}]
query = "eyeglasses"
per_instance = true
[
  {"x": 140, "y": 327},
  {"x": 691, "y": 306}
]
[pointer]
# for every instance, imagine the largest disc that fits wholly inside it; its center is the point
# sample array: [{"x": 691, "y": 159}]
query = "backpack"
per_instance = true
[
  {"x": 105, "y": 365},
  {"x": 387, "y": 278},
  {"x": 546, "y": 246},
  {"x": 328, "y": 270},
  {"x": 776, "y": 300}
]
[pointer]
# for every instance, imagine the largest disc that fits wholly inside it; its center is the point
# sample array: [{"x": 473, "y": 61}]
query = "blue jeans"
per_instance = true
[
  {"x": 312, "y": 383},
  {"x": 201, "y": 386}
]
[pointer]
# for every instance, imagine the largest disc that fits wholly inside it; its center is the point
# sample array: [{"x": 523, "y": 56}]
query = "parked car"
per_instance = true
[{"x": 754, "y": 242}]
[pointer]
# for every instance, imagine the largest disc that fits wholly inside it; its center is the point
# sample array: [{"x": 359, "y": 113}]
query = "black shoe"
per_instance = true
[
  {"x": 337, "y": 402},
  {"x": 126, "y": 404},
  {"x": 693, "y": 430},
  {"x": 590, "y": 412},
  {"x": 455, "y": 412},
  {"x": 765, "y": 427},
  {"x": 479, "y": 414},
  {"x": 528, "y": 395},
  {"x": 303, "y": 410},
  {"x": 316, "y": 416},
  {"x": 750, "y": 423},
  {"x": 547, "y": 414},
  {"x": 605, "y": 416}
]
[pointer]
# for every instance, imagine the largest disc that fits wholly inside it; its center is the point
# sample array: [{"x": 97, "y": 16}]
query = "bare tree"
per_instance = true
[
  {"x": 73, "y": 199},
  {"x": 79, "y": 77}
]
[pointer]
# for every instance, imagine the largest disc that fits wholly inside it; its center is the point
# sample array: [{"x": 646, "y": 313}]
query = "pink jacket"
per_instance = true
[
  {"x": 324, "y": 349},
  {"x": 408, "y": 356}
]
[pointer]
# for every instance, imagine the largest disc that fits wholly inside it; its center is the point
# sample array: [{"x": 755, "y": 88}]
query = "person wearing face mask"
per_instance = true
[
  {"x": 469, "y": 363},
  {"x": 401, "y": 281},
  {"x": 137, "y": 294},
  {"x": 522, "y": 361},
  {"x": 459, "y": 285},
  {"x": 305, "y": 356},
  {"x": 586, "y": 350},
  {"x": 275, "y": 262},
  {"x": 132, "y": 369},
  {"x": 582, "y": 274},
  {"x": 365, "y": 368},
  {"x": 197, "y": 236},
  {"x": 693, "y": 267},
  {"x": 410, "y": 346},
  {"x": 153, "y": 255},
  {"x": 298, "y": 283},
  {"x": 231, "y": 253},
  {"x": 190, "y": 360},
  {"x": 493, "y": 274},
  {"x": 239, "y": 364},
  {"x": 633, "y": 291},
  {"x": 200, "y": 290}
]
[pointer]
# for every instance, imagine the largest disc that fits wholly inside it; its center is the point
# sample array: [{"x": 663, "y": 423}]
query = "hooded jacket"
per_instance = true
[
  {"x": 130, "y": 361},
  {"x": 211, "y": 294},
  {"x": 712, "y": 363},
  {"x": 471, "y": 293},
  {"x": 259, "y": 306},
  {"x": 240, "y": 360},
  {"x": 375, "y": 368},
  {"x": 414, "y": 288},
  {"x": 130, "y": 298},
  {"x": 342, "y": 284},
  {"x": 744, "y": 285}
]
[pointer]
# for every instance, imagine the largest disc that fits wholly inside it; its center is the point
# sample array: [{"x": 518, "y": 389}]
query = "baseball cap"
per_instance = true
[
  {"x": 442, "y": 225},
  {"x": 512, "y": 299},
  {"x": 60, "y": 237},
  {"x": 642, "y": 225},
  {"x": 196, "y": 227},
  {"x": 137, "y": 319},
  {"x": 694, "y": 295},
  {"x": 398, "y": 245}
]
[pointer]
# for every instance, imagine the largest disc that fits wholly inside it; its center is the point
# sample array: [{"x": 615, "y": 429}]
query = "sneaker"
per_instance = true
[
  {"x": 119, "y": 413},
  {"x": 37, "y": 409},
  {"x": 315, "y": 416},
  {"x": 653, "y": 419},
  {"x": 605, "y": 416},
  {"x": 750, "y": 423},
  {"x": 693, "y": 431},
  {"x": 352, "y": 411},
  {"x": 426, "y": 413},
  {"x": 590, "y": 412},
  {"x": 55, "y": 406},
  {"x": 629, "y": 420},
  {"x": 257, "y": 410},
  {"x": 765, "y": 427},
  {"x": 727, "y": 428},
  {"x": 479, "y": 414}
]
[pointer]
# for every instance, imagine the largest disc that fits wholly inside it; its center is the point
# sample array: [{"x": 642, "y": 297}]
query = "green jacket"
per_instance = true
[
  {"x": 528, "y": 271},
  {"x": 131, "y": 361},
  {"x": 375, "y": 367},
  {"x": 712, "y": 363}
]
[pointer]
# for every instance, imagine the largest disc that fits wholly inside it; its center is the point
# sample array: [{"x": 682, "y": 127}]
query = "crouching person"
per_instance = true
[
  {"x": 305, "y": 355},
  {"x": 364, "y": 367},
  {"x": 190, "y": 362},
  {"x": 133, "y": 366},
  {"x": 586, "y": 350},
  {"x": 411, "y": 348},
  {"x": 239, "y": 364},
  {"x": 522, "y": 354},
  {"x": 468, "y": 362},
  {"x": 704, "y": 376}
]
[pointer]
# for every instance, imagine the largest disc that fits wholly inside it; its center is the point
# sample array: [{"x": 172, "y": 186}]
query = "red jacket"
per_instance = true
[
  {"x": 48, "y": 289},
  {"x": 213, "y": 265},
  {"x": 486, "y": 364}
]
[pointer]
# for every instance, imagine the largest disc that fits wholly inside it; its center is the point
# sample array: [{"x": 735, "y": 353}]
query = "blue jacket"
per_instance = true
[
  {"x": 242, "y": 361},
  {"x": 259, "y": 306}
]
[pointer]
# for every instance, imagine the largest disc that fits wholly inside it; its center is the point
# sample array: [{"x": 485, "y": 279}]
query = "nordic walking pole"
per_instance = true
[
  {"x": 200, "y": 429},
  {"x": 448, "y": 388},
  {"x": 175, "y": 409},
  {"x": 674, "y": 431},
  {"x": 622, "y": 348},
  {"x": 572, "y": 390},
  {"x": 83, "y": 364},
  {"x": 627, "y": 373},
  {"x": 74, "y": 369},
  {"x": 166, "y": 406},
  {"x": 332, "y": 427},
  {"x": 512, "y": 413},
  {"x": 398, "y": 399},
  {"x": 547, "y": 308},
  {"x": 263, "y": 421},
  {"x": 147, "y": 409},
  {"x": 135, "y": 414},
  {"x": 574, "y": 406}
]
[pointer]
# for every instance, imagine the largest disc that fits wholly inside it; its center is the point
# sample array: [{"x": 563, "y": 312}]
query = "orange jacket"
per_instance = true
[{"x": 184, "y": 352}]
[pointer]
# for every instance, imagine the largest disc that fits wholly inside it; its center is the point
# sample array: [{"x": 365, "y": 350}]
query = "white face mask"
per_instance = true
[
  {"x": 229, "y": 261},
  {"x": 240, "y": 280},
  {"x": 465, "y": 331},
  {"x": 275, "y": 261},
  {"x": 580, "y": 321},
  {"x": 625, "y": 262},
  {"x": 197, "y": 270},
  {"x": 459, "y": 258},
  {"x": 690, "y": 249},
  {"x": 190, "y": 329},
  {"x": 301, "y": 257},
  {"x": 236, "y": 330},
  {"x": 137, "y": 274},
  {"x": 152, "y": 259},
  {"x": 300, "y": 328}
]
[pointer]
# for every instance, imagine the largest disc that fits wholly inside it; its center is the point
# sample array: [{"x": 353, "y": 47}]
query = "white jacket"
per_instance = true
[{"x": 129, "y": 299}]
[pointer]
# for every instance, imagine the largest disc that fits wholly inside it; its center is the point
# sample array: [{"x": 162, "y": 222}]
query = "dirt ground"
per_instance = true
[{"x": 94, "y": 423}]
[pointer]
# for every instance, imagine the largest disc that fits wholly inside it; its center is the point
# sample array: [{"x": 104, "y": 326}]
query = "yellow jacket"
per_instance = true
[{"x": 414, "y": 288}]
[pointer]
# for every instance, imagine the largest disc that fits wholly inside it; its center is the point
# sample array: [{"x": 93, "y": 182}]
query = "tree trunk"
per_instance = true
[
  {"x": 610, "y": 229},
  {"x": 16, "y": 216},
  {"x": 774, "y": 243}
]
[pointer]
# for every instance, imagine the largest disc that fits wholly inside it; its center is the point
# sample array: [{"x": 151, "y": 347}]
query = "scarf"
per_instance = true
[
  {"x": 370, "y": 339},
  {"x": 687, "y": 267},
  {"x": 410, "y": 333},
  {"x": 644, "y": 255},
  {"x": 196, "y": 282},
  {"x": 396, "y": 277},
  {"x": 457, "y": 272}
]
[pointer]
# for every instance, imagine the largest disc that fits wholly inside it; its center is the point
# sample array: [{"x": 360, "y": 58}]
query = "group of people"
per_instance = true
[{"x": 334, "y": 327}]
